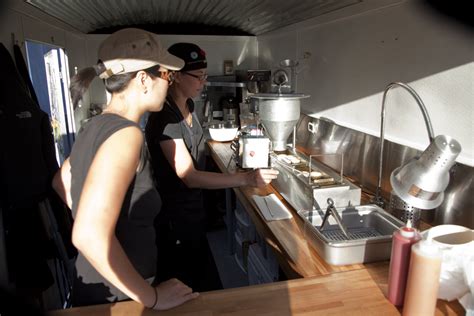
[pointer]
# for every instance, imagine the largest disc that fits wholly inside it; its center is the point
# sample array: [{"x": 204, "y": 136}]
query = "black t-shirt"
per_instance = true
[
  {"x": 166, "y": 125},
  {"x": 179, "y": 201},
  {"x": 134, "y": 228}
]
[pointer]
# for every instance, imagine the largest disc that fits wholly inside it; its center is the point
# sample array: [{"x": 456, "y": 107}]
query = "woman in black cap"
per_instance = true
[
  {"x": 176, "y": 143},
  {"x": 107, "y": 182}
]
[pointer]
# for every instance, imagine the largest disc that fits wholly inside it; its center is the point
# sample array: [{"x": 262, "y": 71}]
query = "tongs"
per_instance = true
[{"x": 331, "y": 210}]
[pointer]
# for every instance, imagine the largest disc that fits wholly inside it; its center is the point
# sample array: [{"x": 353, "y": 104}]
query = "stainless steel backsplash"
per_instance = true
[{"x": 361, "y": 156}]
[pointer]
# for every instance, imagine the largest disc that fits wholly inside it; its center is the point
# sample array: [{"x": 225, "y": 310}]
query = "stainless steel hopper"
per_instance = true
[{"x": 278, "y": 114}]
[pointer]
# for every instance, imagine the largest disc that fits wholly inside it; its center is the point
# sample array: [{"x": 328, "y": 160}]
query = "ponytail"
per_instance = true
[
  {"x": 80, "y": 83},
  {"x": 114, "y": 84}
]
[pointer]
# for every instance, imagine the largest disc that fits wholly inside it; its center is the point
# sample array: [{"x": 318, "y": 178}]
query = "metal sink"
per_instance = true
[{"x": 370, "y": 234}]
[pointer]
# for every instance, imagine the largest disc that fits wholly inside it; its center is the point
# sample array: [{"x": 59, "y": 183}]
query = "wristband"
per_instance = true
[{"x": 156, "y": 298}]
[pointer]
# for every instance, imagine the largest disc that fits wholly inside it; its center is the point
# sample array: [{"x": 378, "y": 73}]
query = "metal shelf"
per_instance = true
[{"x": 225, "y": 84}]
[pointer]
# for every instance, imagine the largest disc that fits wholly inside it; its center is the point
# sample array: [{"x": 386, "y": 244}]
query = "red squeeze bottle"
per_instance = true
[{"x": 402, "y": 241}]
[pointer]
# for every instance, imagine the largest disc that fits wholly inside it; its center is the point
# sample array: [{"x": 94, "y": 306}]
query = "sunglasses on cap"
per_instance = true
[{"x": 167, "y": 75}]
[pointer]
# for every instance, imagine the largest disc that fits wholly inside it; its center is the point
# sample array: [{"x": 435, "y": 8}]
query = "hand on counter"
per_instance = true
[
  {"x": 261, "y": 177},
  {"x": 172, "y": 293}
]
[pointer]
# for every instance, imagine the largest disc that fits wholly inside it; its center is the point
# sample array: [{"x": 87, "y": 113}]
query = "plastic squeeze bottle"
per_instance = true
[
  {"x": 402, "y": 241},
  {"x": 423, "y": 279}
]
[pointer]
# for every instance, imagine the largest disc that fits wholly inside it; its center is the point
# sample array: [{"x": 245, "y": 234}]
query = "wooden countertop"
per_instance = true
[
  {"x": 296, "y": 256},
  {"x": 316, "y": 288},
  {"x": 357, "y": 292}
]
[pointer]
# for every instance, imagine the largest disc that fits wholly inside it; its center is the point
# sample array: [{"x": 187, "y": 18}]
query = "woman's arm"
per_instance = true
[
  {"x": 179, "y": 158},
  {"x": 62, "y": 183},
  {"x": 106, "y": 184}
]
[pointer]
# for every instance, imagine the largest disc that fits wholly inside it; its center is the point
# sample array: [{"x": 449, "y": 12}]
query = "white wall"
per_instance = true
[
  {"x": 10, "y": 22},
  {"x": 27, "y": 23},
  {"x": 355, "y": 52}
]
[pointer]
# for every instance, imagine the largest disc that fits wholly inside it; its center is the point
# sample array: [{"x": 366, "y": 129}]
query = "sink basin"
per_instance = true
[{"x": 370, "y": 234}]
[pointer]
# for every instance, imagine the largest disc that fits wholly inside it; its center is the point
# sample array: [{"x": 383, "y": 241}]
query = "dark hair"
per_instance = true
[{"x": 114, "y": 84}]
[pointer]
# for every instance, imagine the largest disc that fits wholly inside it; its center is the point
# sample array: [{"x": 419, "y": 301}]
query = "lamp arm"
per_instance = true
[{"x": 378, "y": 192}]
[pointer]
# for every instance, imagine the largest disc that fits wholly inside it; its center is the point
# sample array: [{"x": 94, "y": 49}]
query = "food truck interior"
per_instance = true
[{"x": 338, "y": 96}]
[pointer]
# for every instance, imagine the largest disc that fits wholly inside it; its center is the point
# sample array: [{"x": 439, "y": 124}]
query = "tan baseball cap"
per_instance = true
[{"x": 133, "y": 49}]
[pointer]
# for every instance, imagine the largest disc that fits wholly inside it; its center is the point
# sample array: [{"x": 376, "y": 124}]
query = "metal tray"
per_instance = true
[
  {"x": 370, "y": 230},
  {"x": 303, "y": 194}
]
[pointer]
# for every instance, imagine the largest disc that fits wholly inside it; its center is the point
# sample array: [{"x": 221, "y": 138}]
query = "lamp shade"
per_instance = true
[{"x": 421, "y": 182}]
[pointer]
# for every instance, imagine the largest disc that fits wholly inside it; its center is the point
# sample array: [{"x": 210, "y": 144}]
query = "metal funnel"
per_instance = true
[
  {"x": 278, "y": 132},
  {"x": 278, "y": 114}
]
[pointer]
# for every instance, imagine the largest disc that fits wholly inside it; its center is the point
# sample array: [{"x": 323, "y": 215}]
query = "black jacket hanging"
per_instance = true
[
  {"x": 28, "y": 158},
  {"x": 23, "y": 70},
  {"x": 27, "y": 166}
]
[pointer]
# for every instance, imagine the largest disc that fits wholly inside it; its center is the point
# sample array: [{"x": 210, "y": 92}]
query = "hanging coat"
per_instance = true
[{"x": 27, "y": 165}]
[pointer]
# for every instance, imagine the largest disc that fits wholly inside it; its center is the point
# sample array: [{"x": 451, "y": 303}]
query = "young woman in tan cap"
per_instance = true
[
  {"x": 175, "y": 139},
  {"x": 107, "y": 181}
]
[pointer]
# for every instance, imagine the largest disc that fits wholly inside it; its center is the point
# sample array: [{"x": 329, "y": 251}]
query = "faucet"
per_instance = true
[
  {"x": 331, "y": 210},
  {"x": 378, "y": 192}
]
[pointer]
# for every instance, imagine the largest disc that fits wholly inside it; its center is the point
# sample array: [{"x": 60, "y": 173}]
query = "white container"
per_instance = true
[
  {"x": 456, "y": 256},
  {"x": 253, "y": 151},
  {"x": 423, "y": 279},
  {"x": 221, "y": 132}
]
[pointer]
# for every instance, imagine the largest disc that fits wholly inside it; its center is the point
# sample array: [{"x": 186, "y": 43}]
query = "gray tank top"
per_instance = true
[{"x": 134, "y": 229}]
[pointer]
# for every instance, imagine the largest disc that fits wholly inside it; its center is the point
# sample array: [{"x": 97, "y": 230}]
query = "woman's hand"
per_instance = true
[
  {"x": 172, "y": 293},
  {"x": 261, "y": 177}
]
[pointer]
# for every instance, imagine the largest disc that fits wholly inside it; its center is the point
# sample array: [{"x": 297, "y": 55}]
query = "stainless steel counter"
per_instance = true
[{"x": 361, "y": 165}]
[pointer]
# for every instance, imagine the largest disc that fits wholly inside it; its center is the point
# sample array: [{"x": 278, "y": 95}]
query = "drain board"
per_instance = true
[
  {"x": 370, "y": 234},
  {"x": 354, "y": 234}
]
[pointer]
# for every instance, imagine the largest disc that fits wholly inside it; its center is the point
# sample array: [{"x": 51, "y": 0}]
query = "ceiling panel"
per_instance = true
[{"x": 235, "y": 17}]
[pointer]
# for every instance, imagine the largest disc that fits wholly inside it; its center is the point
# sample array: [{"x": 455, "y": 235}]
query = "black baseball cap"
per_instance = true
[{"x": 194, "y": 57}]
